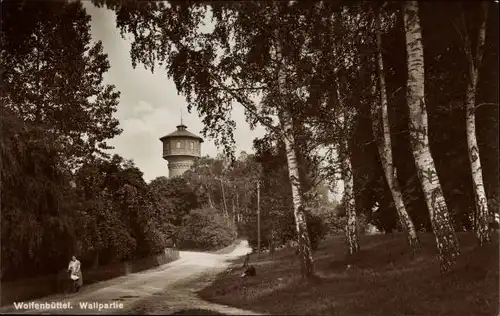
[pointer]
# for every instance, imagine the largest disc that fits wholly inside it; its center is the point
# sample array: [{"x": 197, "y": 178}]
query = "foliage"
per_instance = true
[
  {"x": 106, "y": 216},
  {"x": 277, "y": 220},
  {"x": 53, "y": 76},
  {"x": 33, "y": 192},
  {"x": 338, "y": 219},
  {"x": 206, "y": 229},
  {"x": 317, "y": 229},
  {"x": 58, "y": 116},
  {"x": 174, "y": 199},
  {"x": 228, "y": 187}
]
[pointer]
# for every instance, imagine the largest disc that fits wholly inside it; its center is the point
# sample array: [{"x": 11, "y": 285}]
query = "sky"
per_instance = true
[{"x": 150, "y": 106}]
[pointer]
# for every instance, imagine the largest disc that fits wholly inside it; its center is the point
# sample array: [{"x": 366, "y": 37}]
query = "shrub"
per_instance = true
[
  {"x": 205, "y": 229},
  {"x": 317, "y": 229},
  {"x": 285, "y": 230}
]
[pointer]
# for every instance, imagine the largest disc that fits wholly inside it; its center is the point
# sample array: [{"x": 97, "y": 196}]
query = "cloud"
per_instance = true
[
  {"x": 134, "y": 126},
  {"x": 143, "y": 107}
]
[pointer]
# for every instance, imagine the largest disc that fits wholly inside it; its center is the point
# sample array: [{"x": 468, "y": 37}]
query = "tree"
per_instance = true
[
  {"x": 474, "y": 63},
  {"x": 351, "y": 229},
  {"x": 242, "y": 174},
  {"x": 174, "y": 198},
  {"x": 277, "y": 219},
  {"x": 201, "y": 177},
  {"x": 119, "y": 218},
  {"x": 380, "y": 116},
  {"x": 340, "y": 66},
  {"x": 446, "y": 239},
  {"x": 61, "y": 194},
  {"x": 34, "y": 212},
  {"x": 210, "y": 177},
  {"x": 53, "y": 76},
  {"x": 206, "y": 229}
]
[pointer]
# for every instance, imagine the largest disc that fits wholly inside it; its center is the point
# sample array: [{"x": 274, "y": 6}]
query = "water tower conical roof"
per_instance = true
[{"x": 182, "y": 132}]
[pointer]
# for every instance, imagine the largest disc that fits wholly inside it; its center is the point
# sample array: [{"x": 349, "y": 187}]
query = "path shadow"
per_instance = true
[{"x": 196, "y": 311}]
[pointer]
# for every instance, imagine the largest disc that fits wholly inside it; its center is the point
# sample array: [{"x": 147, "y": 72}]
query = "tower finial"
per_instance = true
[{"x": 181, "y": 117}]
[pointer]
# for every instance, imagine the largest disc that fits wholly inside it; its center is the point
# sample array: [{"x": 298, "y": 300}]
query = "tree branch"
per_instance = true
[
  {"x": 482, "y": 104},
  {"x": 247, "y": 88},
  {"x": 246, "y": 103},
  {"x": 394, "y": 93},
  {"x": 320, "y": 178}
]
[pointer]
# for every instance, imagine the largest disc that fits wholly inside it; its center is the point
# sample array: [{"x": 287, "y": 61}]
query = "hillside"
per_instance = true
[{"x": 384, "y": 280}]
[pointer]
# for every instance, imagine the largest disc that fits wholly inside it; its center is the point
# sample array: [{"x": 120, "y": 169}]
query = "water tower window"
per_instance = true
[
  {"x": 191, "y": 145},
  {"x": 178, "y": 145}
]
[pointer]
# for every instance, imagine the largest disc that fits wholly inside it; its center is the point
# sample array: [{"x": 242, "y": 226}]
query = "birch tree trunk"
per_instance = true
[
  {"x": 307, "y": 262},
  {"x": 226, "y": 213},
  {"x": 446, "y": 240},
  {"x": 245, "y": 202},
  {"x": 210, "y": 202},
  {"x": 481, "y": 209},
  {"x": 351, "y": 229},
  {"x": 237, "y": 204},
  {"x": 288, "y": 136},
  {"x": 272, "y": 245},
  {"x": 380, "y": 117},
  {"x": 234, "y": 203}
]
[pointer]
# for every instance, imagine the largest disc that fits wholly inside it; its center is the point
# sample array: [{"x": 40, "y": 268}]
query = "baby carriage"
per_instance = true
[{"x": 74, "y": 286}]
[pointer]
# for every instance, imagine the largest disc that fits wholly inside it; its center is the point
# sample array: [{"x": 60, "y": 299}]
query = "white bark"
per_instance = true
[
  {"x": 226, "y": 213},
  {"x": 234, "y": 204},
  {"x": 305, "y": 250},
  {"x": 307, "y": 262},
  {"x": 237, "y": 190},
  {"x": 447, "y": 243},
  {"x": 481, "y": 209},
  {"x": 384, "y": 145},
  {"x": 210, "y": 202},
  {"x": 351, "y": 229}
]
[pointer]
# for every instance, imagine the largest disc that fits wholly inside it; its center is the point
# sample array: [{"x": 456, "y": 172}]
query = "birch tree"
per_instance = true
[
  {"x": 380, "y": 118},
  {"x": 351, "y": 228},
  {"x": 474, "y": 61},
  {"x": 447, "y": 243},
  {"x": 288, "y": 137},
  {"x": 345, "y": 64}
]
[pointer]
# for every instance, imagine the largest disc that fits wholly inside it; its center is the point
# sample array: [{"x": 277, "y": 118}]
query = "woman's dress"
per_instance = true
[{"x": 75, "y": 268}]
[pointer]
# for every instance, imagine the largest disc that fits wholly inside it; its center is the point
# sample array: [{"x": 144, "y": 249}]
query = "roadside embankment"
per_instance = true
[{"x": 27, "y": 289}]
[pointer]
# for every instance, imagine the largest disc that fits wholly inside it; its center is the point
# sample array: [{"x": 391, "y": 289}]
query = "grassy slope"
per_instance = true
[{"x": 383, "y": 280}]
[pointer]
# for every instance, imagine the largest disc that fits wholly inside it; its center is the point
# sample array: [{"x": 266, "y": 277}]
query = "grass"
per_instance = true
[{"x": 383, "y": 280}]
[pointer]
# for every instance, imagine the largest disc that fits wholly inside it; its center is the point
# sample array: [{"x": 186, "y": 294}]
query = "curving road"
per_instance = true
[{"x": 166, "y": 289}]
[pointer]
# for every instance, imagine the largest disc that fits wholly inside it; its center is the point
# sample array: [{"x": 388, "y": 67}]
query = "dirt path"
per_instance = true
[{"x": 167, "y": 289}]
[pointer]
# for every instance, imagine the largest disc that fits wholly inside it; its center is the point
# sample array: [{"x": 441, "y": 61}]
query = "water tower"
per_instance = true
[{"x": 181, "y": 149}]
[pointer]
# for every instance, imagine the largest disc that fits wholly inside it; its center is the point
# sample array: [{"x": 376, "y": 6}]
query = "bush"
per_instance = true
[
  {"x": 317, "y": 229},
  {"x": 206, "y": 229},
  {"x": 285, "y": 230}
]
